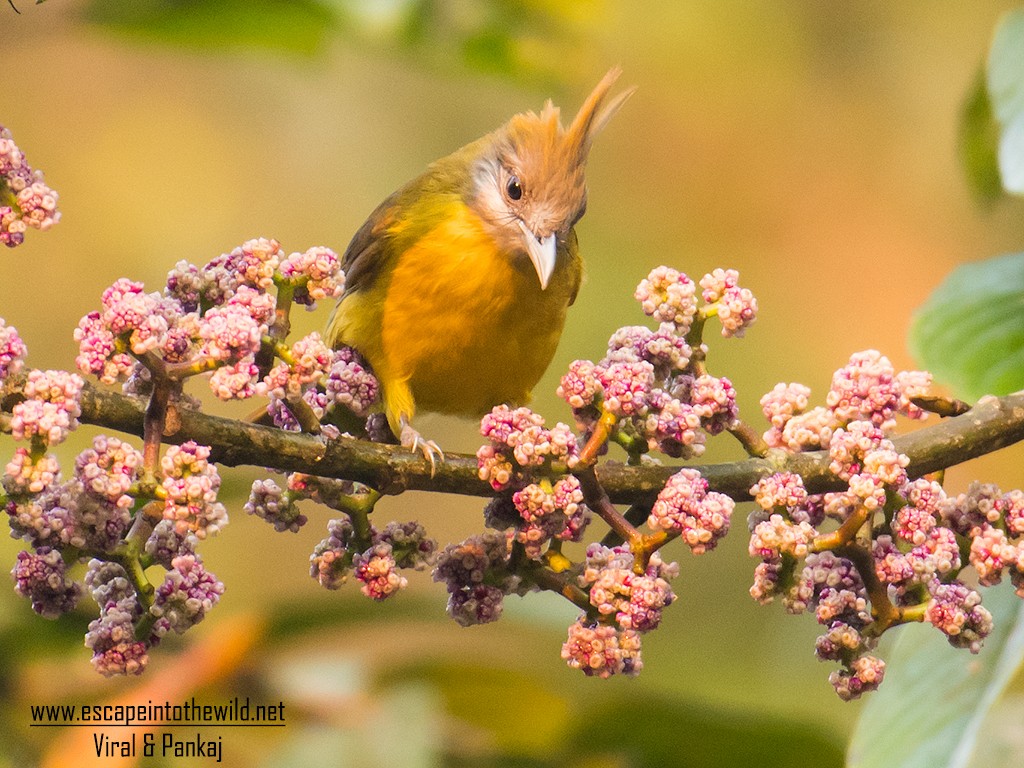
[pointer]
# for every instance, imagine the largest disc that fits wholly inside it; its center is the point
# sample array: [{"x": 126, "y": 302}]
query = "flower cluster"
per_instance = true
[
  {"x": 735, "y": 307},
  {"x": 41, "y": 576},
  {"x": 127, "y": 627},
  {"x": 115, "y": 648},
  {"x": 669, "y": 296},
  {"x": 375, "y": 559},
  {"x": 685, "y": 507},
  {"x": 601, "y": 649},
  {"x": 517, "y": 462},
  {"x": 320, "y": 378},
  {"x": 90, "y": 514},
  {"x": 50, "y": 409},
  {"x": 12, "y": 351},
  {"x": 276, "y": 505},
  {"x": 350, "y": 383},
  {"x": 653, "y": 382},
  {"x": 188, "y": 592},
  {"x": 784, "y": 537},
  {"x": 331, "y": 560},
  {"x": 902, "y": 542},
  {"x": 108, "y": 470},
  {"x": 625, "y": 605},
  {"x": 25, "y": 199},
  {"x": 477, "y": 575},
  {"x": 215, "y": 319},
  {"x": 867, "y": 389},
  {"x": 67, "y": 516},
  {"x": 315, "y": 274},
  {"x": 44, "y": 418},
  {"x": 190, "y": 485}
]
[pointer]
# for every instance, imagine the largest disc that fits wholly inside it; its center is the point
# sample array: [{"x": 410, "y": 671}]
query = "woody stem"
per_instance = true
[{"x": 602, "y": 431}]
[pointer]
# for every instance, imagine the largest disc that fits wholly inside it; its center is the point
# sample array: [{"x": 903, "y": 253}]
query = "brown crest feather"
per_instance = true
[
  {"x": 551, "y": 159},
  {"x": 594, "y": 115}
]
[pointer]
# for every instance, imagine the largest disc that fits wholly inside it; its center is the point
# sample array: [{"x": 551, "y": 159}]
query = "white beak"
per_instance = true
[{"x": 542, "y": 253}]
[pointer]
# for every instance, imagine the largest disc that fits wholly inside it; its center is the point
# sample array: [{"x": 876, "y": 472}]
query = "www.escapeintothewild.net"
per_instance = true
[{"x": 236, "y": 712}]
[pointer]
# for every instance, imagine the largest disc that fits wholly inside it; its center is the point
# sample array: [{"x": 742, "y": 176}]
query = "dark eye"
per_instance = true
[{"x": 514, "y": 188}]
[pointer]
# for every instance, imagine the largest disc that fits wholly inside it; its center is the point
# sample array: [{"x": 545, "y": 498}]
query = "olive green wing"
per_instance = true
[{"x": 366, "y": 255}]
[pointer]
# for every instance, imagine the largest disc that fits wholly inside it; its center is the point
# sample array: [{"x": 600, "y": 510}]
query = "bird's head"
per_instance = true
[{"x": 529, "y": 183}]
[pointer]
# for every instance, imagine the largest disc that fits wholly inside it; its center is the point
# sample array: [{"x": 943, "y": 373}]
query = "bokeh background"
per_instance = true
[{"x": 812, "y": 146}]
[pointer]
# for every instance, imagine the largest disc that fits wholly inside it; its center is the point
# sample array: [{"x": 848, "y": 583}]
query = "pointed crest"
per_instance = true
[
  {"x": 594, "y": 114},
  {"x": 545, "y": 135},
  {"x": 548, "y": 159}
]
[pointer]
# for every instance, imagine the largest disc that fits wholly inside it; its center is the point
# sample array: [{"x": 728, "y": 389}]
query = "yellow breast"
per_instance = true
[
  {"x": 466, "y": 325},
  {"x": 456, "y": 326}
]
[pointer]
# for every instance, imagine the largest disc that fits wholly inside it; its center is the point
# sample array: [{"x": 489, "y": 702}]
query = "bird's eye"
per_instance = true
[{"x": 514, "y": 188}]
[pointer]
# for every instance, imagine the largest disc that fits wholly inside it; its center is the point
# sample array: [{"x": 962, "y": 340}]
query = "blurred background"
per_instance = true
[{"x": 812, "y": 146}]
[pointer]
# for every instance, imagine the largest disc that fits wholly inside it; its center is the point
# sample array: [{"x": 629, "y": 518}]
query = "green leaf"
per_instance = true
[
  {"x": 530, "y": 721},
  {"x": 510, "y": 38},
  {"x": 970, "y": 331},
  {"x": 979, "y": 143},
  {"x": 1006, "y": 91},
  {"x": 1006, "y": 67},
  {"x": 289, "y": 26},
  {"x": 999, "y": 740},
  {"x": 519, "y": 710},
  {"x": 935, "y": 699},
  {"x": 652, "y": 730}
]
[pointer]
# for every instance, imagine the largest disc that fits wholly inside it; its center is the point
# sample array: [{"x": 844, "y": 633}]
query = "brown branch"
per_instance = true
[{"x": 992, "y": 424}]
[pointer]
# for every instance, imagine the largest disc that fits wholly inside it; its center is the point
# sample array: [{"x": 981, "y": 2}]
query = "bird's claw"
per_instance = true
[{"x": 414, "y": 441}]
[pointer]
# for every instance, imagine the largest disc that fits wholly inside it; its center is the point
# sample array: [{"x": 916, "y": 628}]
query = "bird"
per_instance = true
[{"x": 458, "y": 284}]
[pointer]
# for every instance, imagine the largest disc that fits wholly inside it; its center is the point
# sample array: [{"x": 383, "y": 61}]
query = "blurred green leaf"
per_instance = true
[
  {"x": 979, "y": 143},
  {"x": 1006, "y": 90},
  {"x": 529, "y": 722},
  {"x": 522, "y": 713},
  {"x": 291, "y": 26},
  {"x": 934, "y": 700},
  {"x": 969, "y": 333},
  {"x": 509, "y": 38},
  {"x": 1006, "y": 67},
  {"x": 1000, "y": 740},
  {"x": 670, "y": 732}
]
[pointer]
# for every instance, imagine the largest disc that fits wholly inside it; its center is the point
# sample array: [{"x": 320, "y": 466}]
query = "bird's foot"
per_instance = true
[{"x": 414, "y": 441}]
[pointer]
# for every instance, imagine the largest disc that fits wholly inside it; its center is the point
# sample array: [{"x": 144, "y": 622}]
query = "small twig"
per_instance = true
[
  {"x": 153, "y": 428},
  {"x": 358, "y": 507},
  {"x": 598, "y": 438},
  {"x": 695, "y": 339},
  {"x": 279, "y": 329},
  {"x": 884, "y": 612},
  {"x": 597, "y": 499},
  {"x": 636, "y": 515},
  {"x": 943, "y": 406},
  {"x": 563, "y": 583},
  {"x": 127, "y": 556},
  {"x": 750, "y": 439},
  {"x": 303, "y": 413},
  {"x": 844, "y": 534},
  {"x": 641, "y": 545}
]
